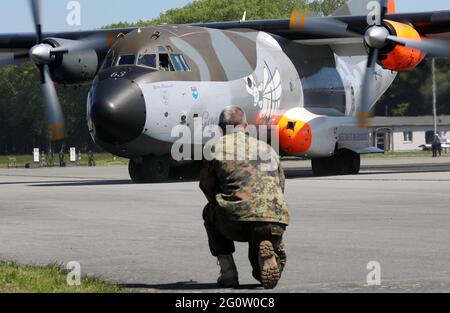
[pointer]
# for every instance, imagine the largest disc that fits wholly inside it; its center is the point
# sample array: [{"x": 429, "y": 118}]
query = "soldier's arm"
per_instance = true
[
  {"x": 281, "y": 176},
  {"x": 208, "y": 181}
]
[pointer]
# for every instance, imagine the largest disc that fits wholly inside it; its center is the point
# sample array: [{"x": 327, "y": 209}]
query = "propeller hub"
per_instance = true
[
  {"x": 376, "y": 37},
  {"x": 41, "y": 54}
]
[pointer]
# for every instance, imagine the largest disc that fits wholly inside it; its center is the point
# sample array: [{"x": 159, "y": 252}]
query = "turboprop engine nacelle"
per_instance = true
[
  {"x": 399, "y": 58},
  {"x": 72, "y": 65},
  {"x": 303, "y": 133}
]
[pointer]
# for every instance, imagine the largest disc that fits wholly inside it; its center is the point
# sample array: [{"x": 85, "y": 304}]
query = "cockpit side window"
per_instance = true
[
  {"x": 108, "y": 61},
  {"x": 179, "y": 63},
  {"x": 148, "y": 60},
  {"x": 128, "y": 59},
  {"x": 185, "y": 64}
]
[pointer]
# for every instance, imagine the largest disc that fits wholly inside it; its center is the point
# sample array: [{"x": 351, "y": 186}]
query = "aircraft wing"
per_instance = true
[
  {"x": 427, "y": 23},
  {"x": 14, "y": 47},
  {"x": 432, "y": 24}
]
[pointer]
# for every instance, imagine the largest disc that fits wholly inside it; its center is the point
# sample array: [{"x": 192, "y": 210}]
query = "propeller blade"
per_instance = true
[
  {"x": 52, "y": 106},
  {"x": 53, "y": 109},
  {"x": 321, "y": 26},
  {"x": 6, "y": 61},
  {"x": 36, "y": 12},
  {"x": 432, "y": 47},
  {"x": 368, "y": 89},
  {"x": 13, "y": 59},
  {"x": 384, "y": 9}
]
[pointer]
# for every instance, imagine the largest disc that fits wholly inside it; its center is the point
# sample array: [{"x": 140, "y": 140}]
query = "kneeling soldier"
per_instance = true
[{"x": 245, "y": 202}]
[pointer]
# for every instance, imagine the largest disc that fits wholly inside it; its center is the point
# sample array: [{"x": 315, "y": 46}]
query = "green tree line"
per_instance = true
[
  {"x": 22, "y": 114},
  {"x": 411, "y": 93}
]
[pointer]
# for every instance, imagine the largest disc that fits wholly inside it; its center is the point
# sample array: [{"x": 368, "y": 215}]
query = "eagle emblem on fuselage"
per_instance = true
[{"x": 266, "y": 93}]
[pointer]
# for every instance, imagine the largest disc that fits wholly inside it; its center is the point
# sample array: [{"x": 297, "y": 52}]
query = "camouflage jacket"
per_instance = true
[{"x": 246, "y": 180}]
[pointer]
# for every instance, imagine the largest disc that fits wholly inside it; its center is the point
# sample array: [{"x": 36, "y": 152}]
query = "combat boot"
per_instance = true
[
  {"x": 268, "y": 263},
  {"x": 282, "y": 257},
  {"x": 228, "y": 272}
]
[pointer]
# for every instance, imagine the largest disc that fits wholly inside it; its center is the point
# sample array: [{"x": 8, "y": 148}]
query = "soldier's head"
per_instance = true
[{"x": 232, "y": 119}]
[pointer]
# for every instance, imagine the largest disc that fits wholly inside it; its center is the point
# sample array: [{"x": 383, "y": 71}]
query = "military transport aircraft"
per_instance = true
[{"x": 317, "y": 78}]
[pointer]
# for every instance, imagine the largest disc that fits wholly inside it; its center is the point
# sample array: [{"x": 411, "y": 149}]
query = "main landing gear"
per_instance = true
[
  {"x": 159, "y": 169},
  {"x": 344, "y": 162},
  {"x": 149, "y": 169}
]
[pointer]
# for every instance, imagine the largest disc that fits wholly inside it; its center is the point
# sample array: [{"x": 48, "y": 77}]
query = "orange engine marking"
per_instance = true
[
  {"x": 295, "y": 136},
  {"x": 402, "y": 58}
]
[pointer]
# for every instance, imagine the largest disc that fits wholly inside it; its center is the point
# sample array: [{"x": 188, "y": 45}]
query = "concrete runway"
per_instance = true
[{"x": 151, "y": 238}]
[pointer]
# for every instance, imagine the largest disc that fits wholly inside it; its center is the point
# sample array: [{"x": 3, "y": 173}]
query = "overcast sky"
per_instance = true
[{"x": 15, "y": 15}]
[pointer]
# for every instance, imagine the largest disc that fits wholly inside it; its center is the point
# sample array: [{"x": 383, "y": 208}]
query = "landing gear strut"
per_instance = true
[
  {"x": 149, "y": 169},
  {"x": 342, "y": 163}
]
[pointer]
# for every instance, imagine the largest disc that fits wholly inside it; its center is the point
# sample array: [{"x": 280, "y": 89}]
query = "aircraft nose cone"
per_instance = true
[{"x": 117, "y": 111}]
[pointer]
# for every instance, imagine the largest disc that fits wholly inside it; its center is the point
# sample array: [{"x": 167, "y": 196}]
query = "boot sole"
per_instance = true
[{"x": 270, "y": 273}]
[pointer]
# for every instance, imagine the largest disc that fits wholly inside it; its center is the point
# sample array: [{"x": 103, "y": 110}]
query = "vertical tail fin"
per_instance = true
[{"x": 361, "y": 7}]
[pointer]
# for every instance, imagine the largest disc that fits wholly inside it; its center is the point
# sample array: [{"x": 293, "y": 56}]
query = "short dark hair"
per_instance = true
[{"x": 232, "y": 116}]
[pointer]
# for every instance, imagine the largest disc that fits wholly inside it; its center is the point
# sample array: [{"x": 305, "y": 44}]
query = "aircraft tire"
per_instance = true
[
  {"x": 188, "y": 171},
  {"x": 156, "y": 169},
  {"x": 136, "y": 172},
  {"x": 354, "y": 164},
  {"x": 340, "y": 164},
  {"x": 345, "y": 162},
  {"x": 320, "y": 166}
]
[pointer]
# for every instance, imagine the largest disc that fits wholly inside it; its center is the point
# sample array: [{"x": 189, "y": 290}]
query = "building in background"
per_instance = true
[{"x": 408, "y": 133}]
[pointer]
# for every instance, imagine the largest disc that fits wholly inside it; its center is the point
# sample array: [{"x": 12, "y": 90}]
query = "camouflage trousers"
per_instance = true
[{"x": 222, "y": 233}]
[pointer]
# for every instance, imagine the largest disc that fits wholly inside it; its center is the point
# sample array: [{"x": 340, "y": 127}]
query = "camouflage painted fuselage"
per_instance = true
[{"x": 271, "y": 78}]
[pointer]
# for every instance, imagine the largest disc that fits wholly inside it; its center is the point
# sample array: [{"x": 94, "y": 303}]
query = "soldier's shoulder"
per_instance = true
[
  {"x": 266, "y": 151},
  {"x": 220, "y": 143},
  {"x": 228, "y": 140}
]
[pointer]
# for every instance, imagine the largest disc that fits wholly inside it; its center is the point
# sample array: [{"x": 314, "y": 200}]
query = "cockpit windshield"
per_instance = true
[
  {"x": 163, "y": 61},
  {"x": 128, "y": 59},
  {"x": 148, "y": 60},
  {"x": 165, "y": 64}
]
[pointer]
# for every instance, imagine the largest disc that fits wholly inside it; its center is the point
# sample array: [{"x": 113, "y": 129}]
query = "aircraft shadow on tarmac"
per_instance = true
[
  {"x": 98, "y": 182},
  {"x": 290, "y": 173},
  {"x": 79, "y": 183},
  {"x": 185, "y": 285}
]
